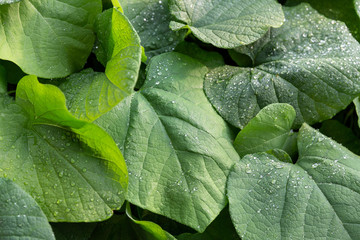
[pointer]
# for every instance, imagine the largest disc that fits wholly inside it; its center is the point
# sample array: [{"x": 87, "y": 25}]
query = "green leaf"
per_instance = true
[
  {"x": 210, "y": 59},
  {"x": 177, "y": 160},
  {"x": 316, "y": 198},
  {"x": 151, "y": 19},
  {"x": 225, "y": 23},
  {"x": 3, "y": 82},
  {"x": 90, "y": 94},
  {"x": 68, "y": 171},
  {"x": 341, "y": 134},
  {"x": 357, "y": 108},
  {"x": 20, "y": 216},
  {"x": 49, "y": 39},
  {"x": 8, "y": 1},
  {"x": 148, "y": 230},
  {"x": 311, "y": 62},
  {"x": 119, "y": 49},
  {"x": 342, "y": 10},
  {"x": 220, "y": 228},
  {"x": 270, "y": 129}
]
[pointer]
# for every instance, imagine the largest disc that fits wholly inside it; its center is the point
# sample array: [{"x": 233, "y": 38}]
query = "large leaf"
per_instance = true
[
  {"x": 270, "y": 129},
  {"x": 118, "y": 49},
  {"x": 8, "y": 1},
  {"x": 178, "y": 161},
  {"x": 48, "y": 38},
  {"x": 311, "y": 62},
  {"x": 151, "y": 19},
  {"x": 68, "y": 171},
  {"x": 226, "y": 23},
  {"x": 316, "y": 198},
  {"x": 20, "y": 216},
  {"x": 346, "y": 11}
]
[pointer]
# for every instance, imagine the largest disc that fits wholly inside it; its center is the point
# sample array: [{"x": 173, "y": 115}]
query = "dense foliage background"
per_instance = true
[{"x": 179, "y": 119}]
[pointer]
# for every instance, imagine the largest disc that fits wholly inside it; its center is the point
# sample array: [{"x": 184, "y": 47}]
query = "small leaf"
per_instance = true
[
  {"x": 119, "y": 49},
  {"x": 177, "y": 160},
  {"x": 270, "y": 129},
  {"x": 311, "y": 62},
  {"x": 70, "y": 173},
  {"x": 50, "y": 39},
  {"x": 226, "y": 23},
  {"x": 20, "y": 216},
  {"x": 316, "y": 198}
]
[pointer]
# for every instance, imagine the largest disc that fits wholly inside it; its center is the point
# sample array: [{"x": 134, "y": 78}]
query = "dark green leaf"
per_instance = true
[
  {"x": 226, "y": 23},
  {"x": 20, "y": 216},
  {"x": 178, "y": 161},
  {"x": 316, "y": 198},
  {"x": 151, "y": 20},
  {"x": 311, "y": 62}
]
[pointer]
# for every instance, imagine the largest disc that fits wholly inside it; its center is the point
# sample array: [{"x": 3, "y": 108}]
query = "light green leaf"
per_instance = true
[
  {"x": 357, "y": 108},
  {"x": 210, "y": 59},
  {"x": 90, "y": 94},
  {"x": 178, "y": 161},
  {"x": 72, "y": 168},
  {"x": 341, "y": 134},
  {"x": 270, "y": 129},
  {"x": 226, "y": 23},
  {"x": 147, "y": 229},
  {"x": 316, "y": 198},
  {"x": 8, "y": 1},
  {"x": 119, "y": 49},
  {"x": 311, "y": 62},
  {"x": 49, "y": 39},
  {"x": 151, "y": 19},
  {"x": 20, "y": 216}
]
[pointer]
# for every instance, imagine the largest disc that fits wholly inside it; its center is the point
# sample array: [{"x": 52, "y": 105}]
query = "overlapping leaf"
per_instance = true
[
  {"x": 20, "y": 216},
  {"x": 311, "y": 62},
  {"x": 178, "y": 161},
  {"x": 226, "y": 23},
  {"x": 318, "y": 197},
  {"x": 151, "y": 19},
  {"x": 49, "y": 39},
  {"x": 72, "y": 168},
  {"x": 90, "y": 94}
]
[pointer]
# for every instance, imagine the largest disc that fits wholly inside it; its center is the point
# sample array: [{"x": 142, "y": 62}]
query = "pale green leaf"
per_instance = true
[
  {"x": 72, "y": 168},
  {"x": 269, "y": 129},
  {"x": 316, "y": 198},
  {"x": 151, "y": 19},
  {"x": 227, "y": 23},
  {"x": 311, "y": 62},
  {"x": 48, "y": 38},
  {"x": 178, "y": 161},
  {"x": 20, "y": 216}
]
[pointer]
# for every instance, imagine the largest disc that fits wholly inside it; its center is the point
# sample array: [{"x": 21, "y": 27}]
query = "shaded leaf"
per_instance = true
[
  {"x": 151, "y": 20},
  {"x": 20, "y": 216},
  {"x": 226, "y": 23}
]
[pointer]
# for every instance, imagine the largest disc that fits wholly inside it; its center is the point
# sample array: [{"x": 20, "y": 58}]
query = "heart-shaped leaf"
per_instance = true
[
  {"x": 311, "y": 62},
  {"x": 316, "y": 198},
  {"x": 178, "y": 161},
  {"x": 226, "y": 23}
]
